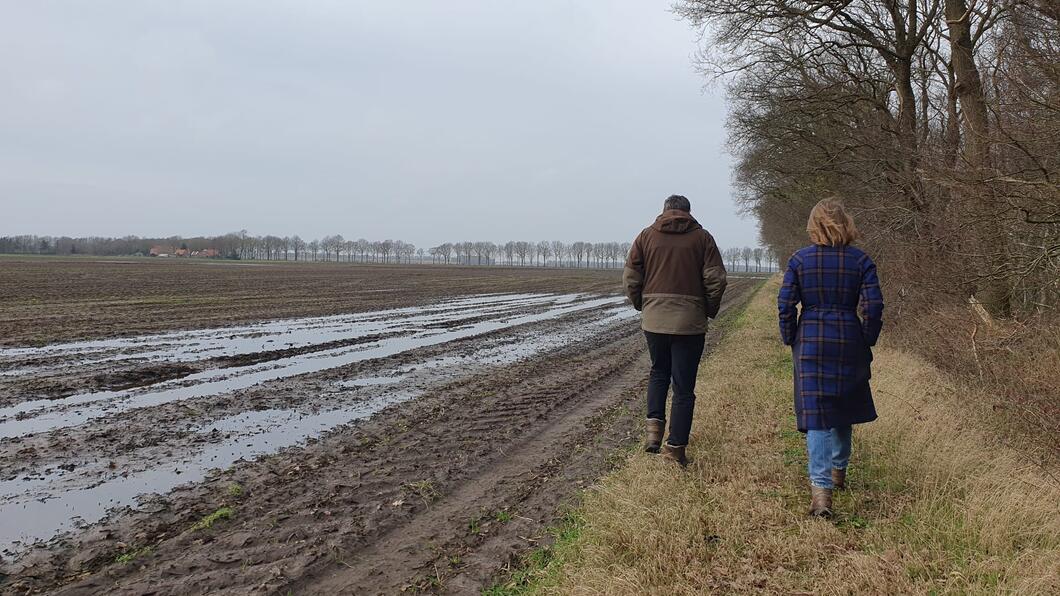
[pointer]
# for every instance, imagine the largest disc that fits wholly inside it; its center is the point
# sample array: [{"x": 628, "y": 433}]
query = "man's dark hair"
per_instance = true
[{"x": 677, "y": 202}]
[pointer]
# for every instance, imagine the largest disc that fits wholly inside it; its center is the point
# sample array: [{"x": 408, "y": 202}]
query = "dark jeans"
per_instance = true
[{"x": 674, "y": 358}]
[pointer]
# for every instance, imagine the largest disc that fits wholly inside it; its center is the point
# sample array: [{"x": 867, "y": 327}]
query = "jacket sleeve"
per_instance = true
[
  {"x": 870, "y": 305},
  {"x": 790, "y": 295},
  {"x": 714, "y": 277},
  {"x": 633, "y": 274}
]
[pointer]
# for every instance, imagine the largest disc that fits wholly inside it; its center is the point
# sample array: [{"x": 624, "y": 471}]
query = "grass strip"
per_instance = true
[{"x": 936, "y": 506}]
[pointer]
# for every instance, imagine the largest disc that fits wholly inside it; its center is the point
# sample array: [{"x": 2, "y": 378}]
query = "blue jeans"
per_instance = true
[{"x": 827, "y": 449}]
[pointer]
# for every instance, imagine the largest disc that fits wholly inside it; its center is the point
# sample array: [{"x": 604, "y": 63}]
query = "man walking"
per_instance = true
[{"x": 675, "y": 276}]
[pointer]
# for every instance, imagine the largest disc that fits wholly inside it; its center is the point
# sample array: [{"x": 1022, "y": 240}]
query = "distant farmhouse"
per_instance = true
[{"x": 172, "y": 251}]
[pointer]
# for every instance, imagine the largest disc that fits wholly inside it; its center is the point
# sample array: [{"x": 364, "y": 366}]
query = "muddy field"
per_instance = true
[
  {"x": 52, "y": 299},
  {"x": 414, "y": 428}
]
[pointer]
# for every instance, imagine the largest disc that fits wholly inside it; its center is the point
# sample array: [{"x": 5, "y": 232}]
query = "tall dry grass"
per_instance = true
[
  {"x": 1014, "y": 365},
  {"x": 938, "y": 505}
]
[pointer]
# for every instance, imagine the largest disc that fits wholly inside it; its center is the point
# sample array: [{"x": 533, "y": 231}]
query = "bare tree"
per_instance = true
[
  {"x": 299, "y": 246},
  {"x": 544, "y": 250},
  {"x": 445, "y": 251},
  {"x": 745, "y": 254},
  {"x": 966, "y": 25},
  {"x": 783, "y": 34},
  {"x": 338, "y": 244},
  {"x": 559, "y": 250},
  {"x": 490, "y": 250},
  {"x": 522, "y": 249},
  {"x": 509, "y": 251}
]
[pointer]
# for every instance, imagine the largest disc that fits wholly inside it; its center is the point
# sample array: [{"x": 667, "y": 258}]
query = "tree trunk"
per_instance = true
[
  {"x": 953, "y": 127},
  {"x": 969, "y": 83},
  {"x": 902, "y": 68}
]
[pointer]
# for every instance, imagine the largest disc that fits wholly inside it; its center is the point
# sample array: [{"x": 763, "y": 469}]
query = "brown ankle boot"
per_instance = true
[
  {"x": 839, "y": 478},
  {"x": 820, "y": 502},
  {"x": 675, "y": 454},
  {"x": 654, "y": 437}
]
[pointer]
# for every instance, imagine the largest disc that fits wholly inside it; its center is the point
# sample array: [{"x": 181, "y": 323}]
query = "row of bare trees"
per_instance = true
[
  {"x": 241, "y": 245},
  {"x": 937, "y": 121},
  {"x": 236, "y": 245},
  {"x": 600, "y": 255},
  {"x": 764, "y": 259}
]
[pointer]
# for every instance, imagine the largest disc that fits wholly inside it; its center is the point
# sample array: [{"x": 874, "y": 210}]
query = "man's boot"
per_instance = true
[
  {"x": 839, "y": 478},
  {"x": 654, "y": 437},
  {"x": 675, "y": 454},
  {"x": 820, "y": 502}
]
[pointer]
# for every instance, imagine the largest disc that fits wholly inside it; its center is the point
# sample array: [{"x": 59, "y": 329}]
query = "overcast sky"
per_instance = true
[{"x": 418, "y": 120}]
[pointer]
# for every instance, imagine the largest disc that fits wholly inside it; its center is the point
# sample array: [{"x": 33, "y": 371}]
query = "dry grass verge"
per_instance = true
[
  {"x": 937, "y": 505},
  {"x": 1015, "y": 364}
]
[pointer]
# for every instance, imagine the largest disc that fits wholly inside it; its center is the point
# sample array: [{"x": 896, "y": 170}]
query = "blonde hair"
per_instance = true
[{"x": 830, "y": 225}]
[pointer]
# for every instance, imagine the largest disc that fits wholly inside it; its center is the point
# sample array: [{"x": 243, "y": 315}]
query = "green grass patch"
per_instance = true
[
  {"x": 131, "y": 555},
  {"x": 541, "y": 566},
  {"x": 474, "y": 525},
  {"x": 208, "y": 521}
]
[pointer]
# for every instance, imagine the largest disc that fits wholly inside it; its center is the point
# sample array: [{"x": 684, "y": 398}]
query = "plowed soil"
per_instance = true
[{"x": 50, "y": 299}]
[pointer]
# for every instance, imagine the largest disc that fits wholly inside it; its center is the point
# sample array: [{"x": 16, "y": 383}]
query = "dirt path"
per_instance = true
[{"x": 434, "y": 493}]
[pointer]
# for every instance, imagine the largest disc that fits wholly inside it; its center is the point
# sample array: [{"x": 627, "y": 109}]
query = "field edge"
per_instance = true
[{"x": 937, "y": 503}]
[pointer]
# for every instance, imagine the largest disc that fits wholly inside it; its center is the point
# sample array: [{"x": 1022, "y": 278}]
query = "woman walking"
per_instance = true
[{"x": 831, "y": 341}]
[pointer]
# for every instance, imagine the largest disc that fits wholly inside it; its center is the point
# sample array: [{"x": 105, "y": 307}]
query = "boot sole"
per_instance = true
[{"x": 652, "y": 448}]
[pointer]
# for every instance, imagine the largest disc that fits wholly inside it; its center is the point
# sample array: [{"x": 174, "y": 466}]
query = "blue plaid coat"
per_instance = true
[{"x": 831, "y": 343}]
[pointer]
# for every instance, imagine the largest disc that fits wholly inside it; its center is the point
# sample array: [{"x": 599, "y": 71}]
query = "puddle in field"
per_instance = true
[
  {"x": 188, "y": 346},
  {"x": 368, "y": 382},
  {"x": 45, "y": 415},
  {"x": 26, "y": 521},
  {"x": 36, "y": 507}
]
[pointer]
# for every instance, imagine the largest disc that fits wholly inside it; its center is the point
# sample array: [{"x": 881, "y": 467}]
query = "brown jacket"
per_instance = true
[{"x": 674, "y": 275}]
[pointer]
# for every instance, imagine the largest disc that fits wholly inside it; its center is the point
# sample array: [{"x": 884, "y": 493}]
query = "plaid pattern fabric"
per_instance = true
[{"x": 830, "y": 341}]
